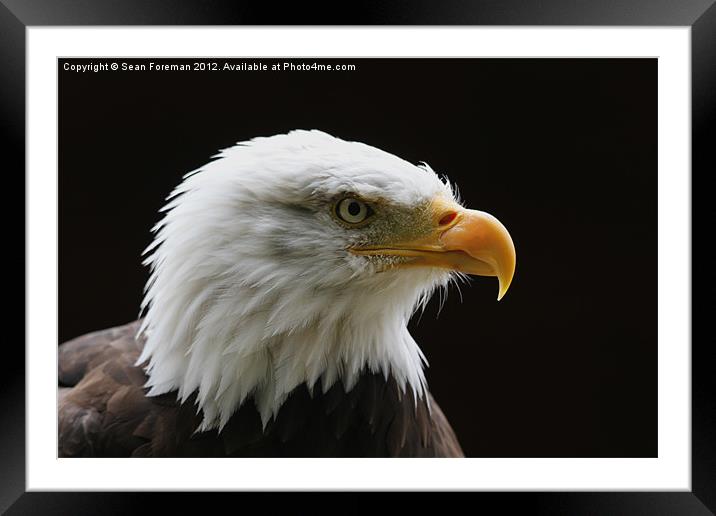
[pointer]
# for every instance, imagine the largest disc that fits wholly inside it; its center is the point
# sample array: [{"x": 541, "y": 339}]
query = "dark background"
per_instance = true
[{"x": 562, "y": 151}]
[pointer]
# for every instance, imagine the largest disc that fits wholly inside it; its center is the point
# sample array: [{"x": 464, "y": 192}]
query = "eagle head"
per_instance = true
[{"x": 299, "y": 258}]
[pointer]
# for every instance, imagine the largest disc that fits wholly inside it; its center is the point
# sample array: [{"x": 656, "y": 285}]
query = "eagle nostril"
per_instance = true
[{"x": 447, "y": 218}]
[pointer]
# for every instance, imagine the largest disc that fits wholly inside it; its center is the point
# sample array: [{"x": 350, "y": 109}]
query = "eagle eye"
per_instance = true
[{"x": 352, "y": 210}]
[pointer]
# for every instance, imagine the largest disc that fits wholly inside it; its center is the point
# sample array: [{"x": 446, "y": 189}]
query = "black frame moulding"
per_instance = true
[{"x": 17, "y": 15}]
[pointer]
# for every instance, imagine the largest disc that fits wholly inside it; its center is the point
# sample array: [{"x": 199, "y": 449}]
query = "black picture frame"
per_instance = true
[{"x": 17, "y": 15}]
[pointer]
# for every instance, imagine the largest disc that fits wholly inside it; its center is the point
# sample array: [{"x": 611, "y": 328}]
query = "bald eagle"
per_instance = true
[{"x": 274, "y": 322}]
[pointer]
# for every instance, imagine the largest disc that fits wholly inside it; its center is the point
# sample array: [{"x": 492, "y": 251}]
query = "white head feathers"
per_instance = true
[{"x": 252, "y": 291}]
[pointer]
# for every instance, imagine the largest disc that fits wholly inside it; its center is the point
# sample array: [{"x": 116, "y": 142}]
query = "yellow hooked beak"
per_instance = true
[{"x": 468, "y": 241}]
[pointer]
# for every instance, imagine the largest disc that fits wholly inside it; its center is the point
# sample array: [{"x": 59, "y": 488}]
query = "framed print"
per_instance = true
[{"x": 269, "y": 254}]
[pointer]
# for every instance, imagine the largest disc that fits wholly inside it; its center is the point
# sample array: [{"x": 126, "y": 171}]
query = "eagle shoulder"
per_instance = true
[
  {"x": 102, "y": 406},
  {"x": 103, "y": 410}
]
